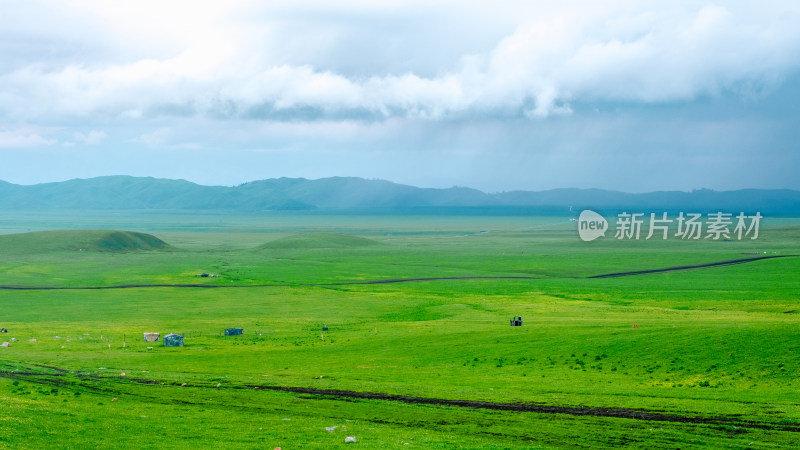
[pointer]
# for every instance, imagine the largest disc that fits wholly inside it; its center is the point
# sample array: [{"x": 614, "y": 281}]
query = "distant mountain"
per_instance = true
[
  {"x": 772, "y": 201},
  {"x": 357, "y": 194}
]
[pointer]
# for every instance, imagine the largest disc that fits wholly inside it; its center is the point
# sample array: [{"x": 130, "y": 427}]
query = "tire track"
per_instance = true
[{"x": 60, "y": 379}]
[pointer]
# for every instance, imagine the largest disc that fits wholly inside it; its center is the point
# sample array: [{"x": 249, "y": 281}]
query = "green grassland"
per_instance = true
[{"x": 717, "y": 347}]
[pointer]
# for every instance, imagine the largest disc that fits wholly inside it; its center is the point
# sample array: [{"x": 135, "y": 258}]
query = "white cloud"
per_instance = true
[
  {"x": 156, "y": 138},
  {"x": 24, "y": 138},
  {"x": 227, "y": 60}
]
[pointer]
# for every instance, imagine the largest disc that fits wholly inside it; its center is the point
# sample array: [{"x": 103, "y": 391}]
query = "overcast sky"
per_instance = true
[{"x": 503, "y": 95}]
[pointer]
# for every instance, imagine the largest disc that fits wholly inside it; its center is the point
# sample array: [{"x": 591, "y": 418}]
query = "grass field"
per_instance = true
[{"x": 712, "y": 360}]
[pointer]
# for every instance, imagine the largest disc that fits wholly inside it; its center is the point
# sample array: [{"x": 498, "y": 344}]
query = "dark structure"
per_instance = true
[
  {"x": 233, "y": 331},
  {"x": 173, "y": 340},
  {"x": 516, "y": 321}
]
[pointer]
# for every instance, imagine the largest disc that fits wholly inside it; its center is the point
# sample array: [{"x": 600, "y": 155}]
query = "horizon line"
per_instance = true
[{"x": 396, "y": 183}]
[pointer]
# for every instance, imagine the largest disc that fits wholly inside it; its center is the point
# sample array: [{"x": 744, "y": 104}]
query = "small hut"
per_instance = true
[
  {"x": 151, "y": 337},
  {"x": 173, "y": 340},
  {"x": 233, "y": 331},
  {"x": 516, "y": 321}
]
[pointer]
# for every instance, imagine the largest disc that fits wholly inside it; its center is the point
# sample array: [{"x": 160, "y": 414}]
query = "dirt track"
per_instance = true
[
  {"x": 729, "y": 262},
  {"x": 60, "y": 377},
  {"x": 228, "y": 286},
  {"x": 622, "y": 413},
  {"x": 390, "y": 280}
]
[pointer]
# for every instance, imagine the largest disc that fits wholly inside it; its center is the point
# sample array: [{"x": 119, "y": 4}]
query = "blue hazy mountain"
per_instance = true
[{"x": 358, "y": 194}]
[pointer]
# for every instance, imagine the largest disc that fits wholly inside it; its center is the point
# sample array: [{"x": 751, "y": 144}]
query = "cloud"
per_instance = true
[
  {"x": 625, "y": 94},
  {"x": 213, "y": 63},
  {"x": 23, "y": 138},
  {"x": 93, "y": 137}
]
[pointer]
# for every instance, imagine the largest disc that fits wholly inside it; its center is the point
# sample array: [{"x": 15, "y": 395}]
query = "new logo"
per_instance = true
[{"x": 591, "y": 225}]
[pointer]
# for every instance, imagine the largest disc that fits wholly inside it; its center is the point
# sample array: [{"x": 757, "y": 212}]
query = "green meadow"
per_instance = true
[{"x": 706, "y": 357}]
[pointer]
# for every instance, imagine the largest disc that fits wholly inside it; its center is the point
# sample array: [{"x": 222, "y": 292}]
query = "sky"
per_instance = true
[{"x": 635, "y": 96}]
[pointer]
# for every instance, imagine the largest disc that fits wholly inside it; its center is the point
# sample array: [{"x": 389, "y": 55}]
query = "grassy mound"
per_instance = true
[
  {"x": 79, "y": 240},
  {"x": 318, "y": 240}
]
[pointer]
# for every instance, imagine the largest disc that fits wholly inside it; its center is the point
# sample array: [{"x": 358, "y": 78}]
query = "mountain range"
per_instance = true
[{"x": 349, "y": 194}]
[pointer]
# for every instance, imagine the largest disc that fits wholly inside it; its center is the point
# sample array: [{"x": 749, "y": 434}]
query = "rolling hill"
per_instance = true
[{"x": 79, "y": 240}]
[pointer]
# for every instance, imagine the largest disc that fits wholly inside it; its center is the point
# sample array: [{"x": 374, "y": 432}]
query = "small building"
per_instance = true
[
  {"x": 151, "y": 337},
  {"x": 173, "y": 340},
  {"x": 233, "y": 331},
  {"x": 516, "y": 321}
]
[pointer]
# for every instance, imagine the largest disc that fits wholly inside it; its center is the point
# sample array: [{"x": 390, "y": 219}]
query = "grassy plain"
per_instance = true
[{"x": 718, "y": 345}]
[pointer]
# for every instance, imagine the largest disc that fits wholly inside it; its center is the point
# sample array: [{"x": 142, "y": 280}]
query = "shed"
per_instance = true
[
  {"x": 233, "y": 331},
  {"x": 151, "y": 337},
  {"x": 173, "y": 340}
]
